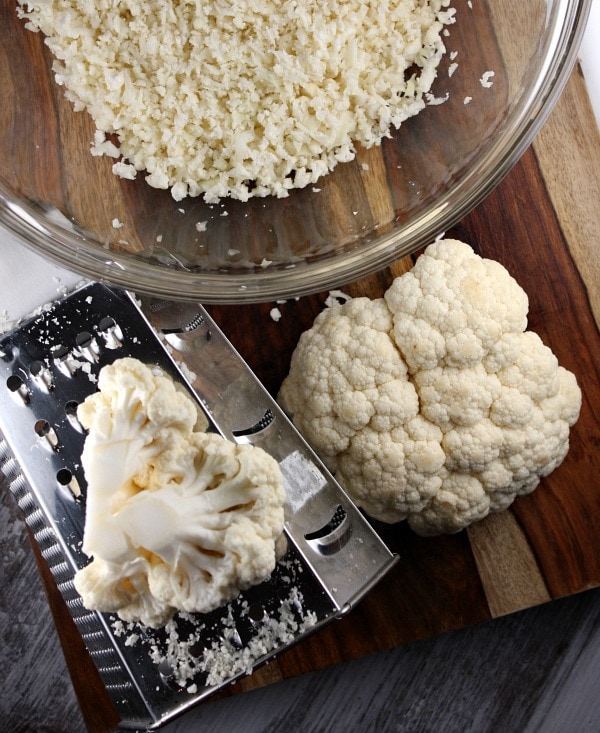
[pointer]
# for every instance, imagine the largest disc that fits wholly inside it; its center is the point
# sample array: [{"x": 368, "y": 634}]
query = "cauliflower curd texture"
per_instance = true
[
  {"x": 176, "y": 518},
  {"x": 433, "y": 404}
]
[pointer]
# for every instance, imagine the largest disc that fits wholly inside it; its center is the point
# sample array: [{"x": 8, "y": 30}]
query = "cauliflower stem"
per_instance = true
[{"x": 176, "y": 517}]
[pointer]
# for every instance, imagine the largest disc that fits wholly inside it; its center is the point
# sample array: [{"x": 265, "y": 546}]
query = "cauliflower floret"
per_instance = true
[
  {"x": 354, "y": 375},
  {"x": 452, "y": 358},
  {"x": 457, "y": 307},
  {"x": 377, "y": 463},
  {"x": 460, "y": 495},
  {"x": 176, "y": 518}
]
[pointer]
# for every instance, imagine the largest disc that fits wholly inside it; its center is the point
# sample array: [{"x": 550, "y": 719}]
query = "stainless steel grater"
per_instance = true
[{"x": 49, "y": 365}]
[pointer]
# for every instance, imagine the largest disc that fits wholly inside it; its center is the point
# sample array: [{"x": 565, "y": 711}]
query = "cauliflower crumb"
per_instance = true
[
  {"x": 433, "y": 101},
  {"x": 275, "y": 314},
  {"x": 241, "y": 100},
  {"x": 486, "y": 79},
  {"x": 124, "y": 170},
  {"x": 190, "y": 375},
  {"x": 336, "y": 297},
  {"x": 201, "y": 226},
  {"x": 6, "y": 323},
  {"x": 117, "y": 224},
  {"x": 132, "y": 640},
  {"x": 101, "y": 146}
]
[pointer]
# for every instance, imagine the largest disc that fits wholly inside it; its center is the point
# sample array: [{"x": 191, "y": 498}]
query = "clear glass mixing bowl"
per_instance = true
[{"x": 389, "y": 202}]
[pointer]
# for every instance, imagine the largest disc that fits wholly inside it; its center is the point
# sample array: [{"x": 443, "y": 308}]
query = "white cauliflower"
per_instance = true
[
  {"x": 433, "y": 404},
  {"x": 176, "y": 518}
]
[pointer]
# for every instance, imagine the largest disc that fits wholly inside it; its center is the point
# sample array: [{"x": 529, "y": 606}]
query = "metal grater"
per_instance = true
[{"x": 48, "y": 366}]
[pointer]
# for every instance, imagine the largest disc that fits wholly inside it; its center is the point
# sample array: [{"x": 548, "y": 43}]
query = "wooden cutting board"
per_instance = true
[{"x": 543, "y": 223}]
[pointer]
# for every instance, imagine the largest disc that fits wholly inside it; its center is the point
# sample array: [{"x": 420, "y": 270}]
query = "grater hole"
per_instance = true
[
  {"x": 42, "y": 428},
  {"x": 87, "y": 345},
  {"x": 46, "y": 432},
  {"x": 256, "y": 612},
  {"x": 65, "y": 478},
  {"x": 110, "y": 332},
  {"x": 245, "y": 435},
  {"x": 331, "y": 537},
  {"x": 71, "y": 412},
  {"x": 165, "y": 671},
  {"x": 84, "y": 339},
  {"x": 167, "y": 675},
  {"x": 16, "y": 385},
  {"x": 59, "y": 351},
  {"x": 43, "y": 376},
  {"x": 64, "y": 360},
  {"x": 71, "y": 408},
  {"x": 36, "y": 368},
  {"x": 233, "y": 637},
  {"x": 106, "y": 323}
]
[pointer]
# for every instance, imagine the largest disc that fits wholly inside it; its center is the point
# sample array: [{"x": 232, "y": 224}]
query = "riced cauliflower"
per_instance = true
[
  {"x": 433, "y": 404},
  {"x": 176, "y": 517},
  {"x": 241, "y": 98}
]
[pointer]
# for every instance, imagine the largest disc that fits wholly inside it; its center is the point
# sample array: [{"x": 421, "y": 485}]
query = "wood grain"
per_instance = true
[
  {"x": 506, "y": 565},
  {"x": 570, "y": 174}
]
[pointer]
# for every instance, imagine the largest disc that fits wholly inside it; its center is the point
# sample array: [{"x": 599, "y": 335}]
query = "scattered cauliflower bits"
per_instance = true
[
  {"x": 433, "y": 404},
  {"x": 222, "y": 660},
  {"x": 176, "y": 518},
  {"x": 239, "y": 98}
]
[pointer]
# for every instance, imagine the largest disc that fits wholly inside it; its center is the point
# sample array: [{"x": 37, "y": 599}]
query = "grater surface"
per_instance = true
[{"x": 49, "y": 365}]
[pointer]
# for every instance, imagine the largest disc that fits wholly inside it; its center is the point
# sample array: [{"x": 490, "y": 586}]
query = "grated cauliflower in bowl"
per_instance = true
[{"x": 241, "y": 99}]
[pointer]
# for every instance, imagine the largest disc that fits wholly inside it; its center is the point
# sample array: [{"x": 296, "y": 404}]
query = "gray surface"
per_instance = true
[
  {"x": 538, "y": 670},
  {"x": 36, "y": 695}
]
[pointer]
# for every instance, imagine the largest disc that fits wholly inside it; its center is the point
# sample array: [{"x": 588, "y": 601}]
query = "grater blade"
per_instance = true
[{"x": 49, "y": 365}]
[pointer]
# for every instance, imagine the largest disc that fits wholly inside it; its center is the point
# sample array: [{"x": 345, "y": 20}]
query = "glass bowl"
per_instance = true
[{"x": 387, "y": 203}]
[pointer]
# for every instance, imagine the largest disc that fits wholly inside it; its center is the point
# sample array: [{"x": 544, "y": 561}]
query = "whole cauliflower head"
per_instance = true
[
  {"x": 433, "y": 404},
  {"x": 176, "y": 518}
]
